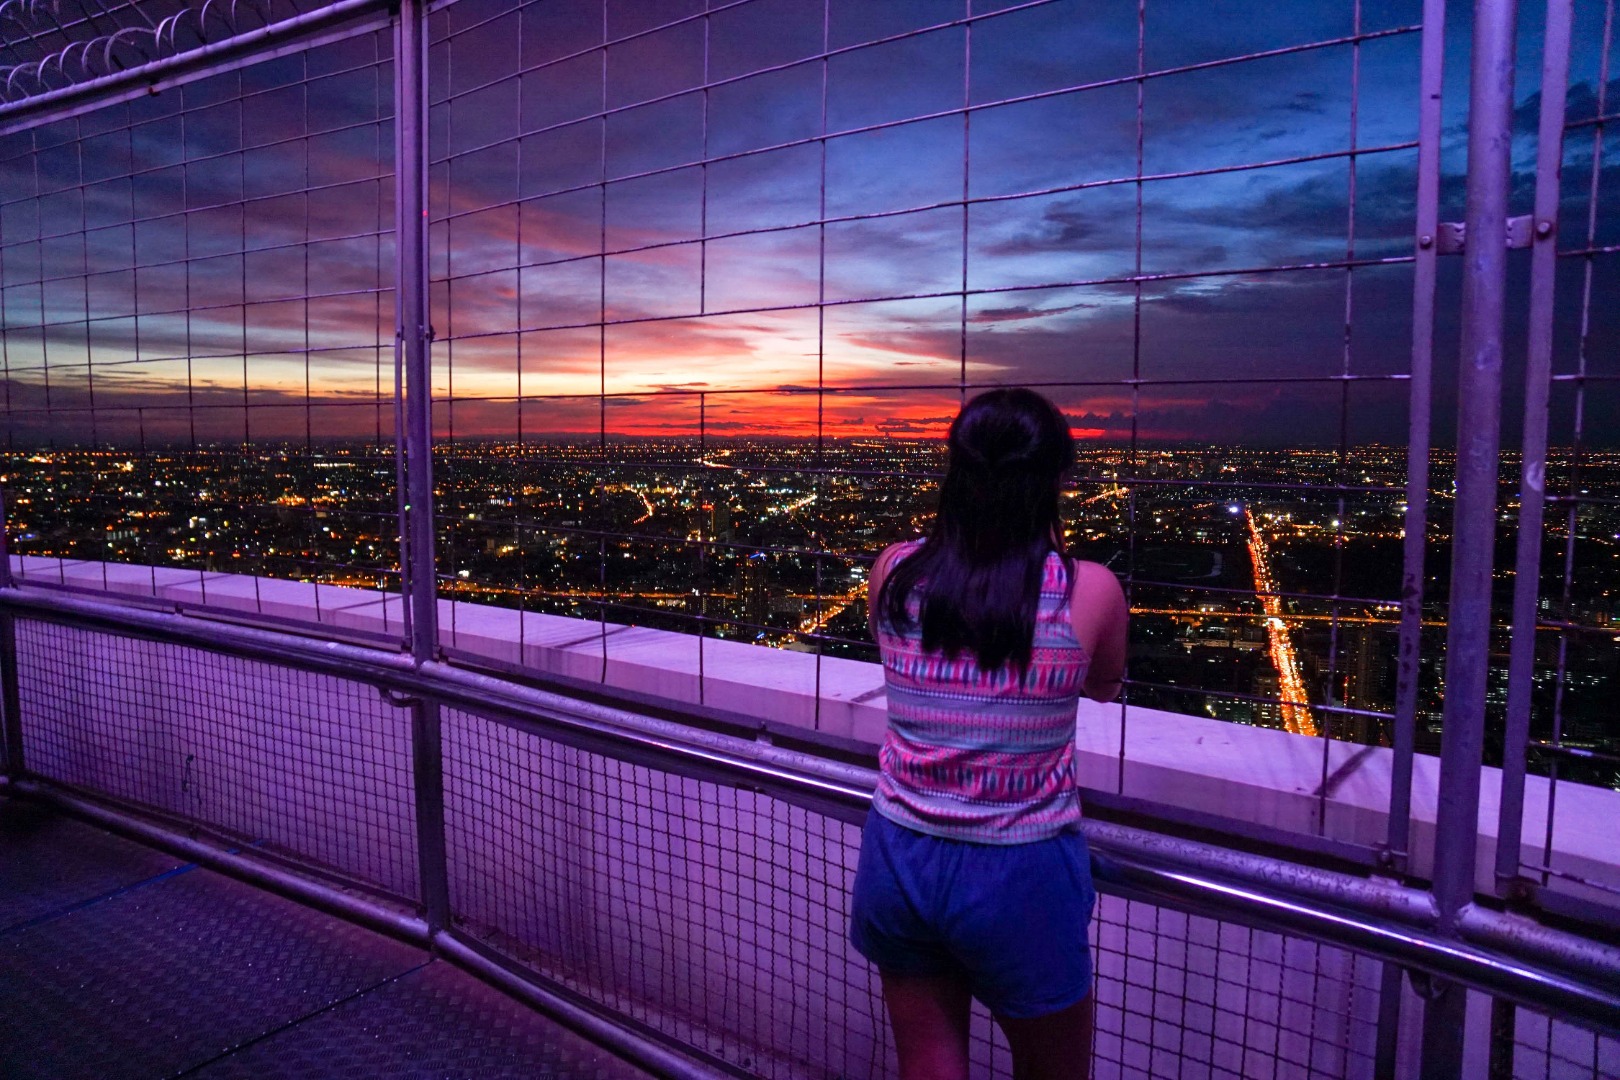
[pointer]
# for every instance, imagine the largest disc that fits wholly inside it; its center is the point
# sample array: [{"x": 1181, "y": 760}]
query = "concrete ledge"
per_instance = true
[{"x": 1258, "y": 775}]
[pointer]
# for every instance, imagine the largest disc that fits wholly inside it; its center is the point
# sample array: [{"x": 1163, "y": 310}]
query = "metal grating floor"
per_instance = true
[{"x": 117, "y": 961}]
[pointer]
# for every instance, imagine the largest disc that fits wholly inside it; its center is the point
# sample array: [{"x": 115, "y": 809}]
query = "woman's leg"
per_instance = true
[
  {"x": 929, "y": 1014},
  {"x": 1056, "y": 1046}
]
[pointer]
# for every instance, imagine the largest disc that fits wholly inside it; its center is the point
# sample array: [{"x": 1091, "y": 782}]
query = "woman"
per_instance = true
[{"x": 974, "y": 880}]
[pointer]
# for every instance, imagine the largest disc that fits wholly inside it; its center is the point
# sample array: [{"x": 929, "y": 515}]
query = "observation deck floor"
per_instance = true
[{"x": 117, "y": 960}]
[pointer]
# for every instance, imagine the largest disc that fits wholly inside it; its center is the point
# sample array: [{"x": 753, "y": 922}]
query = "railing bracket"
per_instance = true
[
  {"x": 1452, "y": 236},
  {"x": 1426, "y": 986}
]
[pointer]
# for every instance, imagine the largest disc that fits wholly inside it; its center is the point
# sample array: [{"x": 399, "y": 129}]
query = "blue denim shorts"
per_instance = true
[{"x": 1011, "y": 920}]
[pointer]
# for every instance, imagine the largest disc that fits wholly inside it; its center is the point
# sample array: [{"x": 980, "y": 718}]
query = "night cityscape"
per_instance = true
[{"x": 770, "y": 541}]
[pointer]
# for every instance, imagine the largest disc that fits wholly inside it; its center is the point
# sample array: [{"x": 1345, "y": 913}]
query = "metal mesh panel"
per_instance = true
[
  {"x": 1565, "y": 653},
  {"x": 719, "y": 916},
  {"x": 1572, "y": 733},
  {"x": 309, "y": 767},
  {"x": 196, "y": 308},
  {"x": 1546, "y": 1048},
  {"x": 1187, "y": 996},
  {"x": 713, "y": 915}
]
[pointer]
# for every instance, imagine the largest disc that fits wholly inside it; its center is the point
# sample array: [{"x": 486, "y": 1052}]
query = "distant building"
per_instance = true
[{"x": 753, "y": 589}]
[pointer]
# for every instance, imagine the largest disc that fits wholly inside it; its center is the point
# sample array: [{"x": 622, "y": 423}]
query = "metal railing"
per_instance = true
[{"x": 684, "y": 894}]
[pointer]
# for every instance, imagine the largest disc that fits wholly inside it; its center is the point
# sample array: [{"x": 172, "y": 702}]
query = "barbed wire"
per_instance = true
[{"x": 82, "y": 40}]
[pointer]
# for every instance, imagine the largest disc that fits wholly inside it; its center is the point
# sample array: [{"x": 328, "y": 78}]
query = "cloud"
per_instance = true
[{"x": 1019, "y": 312}]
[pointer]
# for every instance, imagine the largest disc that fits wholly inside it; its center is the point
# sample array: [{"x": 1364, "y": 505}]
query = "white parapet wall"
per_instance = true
[{"x": 1258, "y": 775}]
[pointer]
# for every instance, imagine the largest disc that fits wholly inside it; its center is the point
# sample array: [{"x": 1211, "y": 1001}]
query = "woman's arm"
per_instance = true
[
  {"x": 1098, "y": 613},
  {"x": 874, "y": 586}
]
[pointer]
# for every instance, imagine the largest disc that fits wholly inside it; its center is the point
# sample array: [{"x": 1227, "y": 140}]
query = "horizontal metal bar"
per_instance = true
[
  {"x": 186, "y": 260},
  {"x": 1221, "y": 831},
  {"x": 1596, "y": 918},
  {"x": 671, "y": 745},
  {"x": 918, "y": 387},
  {"x": 1136, "y": 866},
  {"x": 1593, "y": 1003},
  {"x": 1524, "y": 937},
  {"x": 686, "y": 393},
  {"x": 538, "y": 455},
  {"x": 1564, "y": 625},
  {"x": 202, "y": 407},
  {"x": 374, "y": 25},
  {"x": 452, "y": 686},
  {"x": 376, "y": 291},
  {"x": 715, "y": 7},
  {"x": 84, "y": 185},
  {"x": 1565, "y": 875},
  {"x": 1593, "y": 121},
  {"x": 1261, "y": 699},
  {"x": 1324, "y": 598},
  {"x": 205, "y": 614},
  {"x": 1585, "y": 500},
  {"x": 1573, "y": 751},
  {"x": 239, "y": 50},
  {"x": 555, "y": 1001},
  {"x": 354, "y": 907}
]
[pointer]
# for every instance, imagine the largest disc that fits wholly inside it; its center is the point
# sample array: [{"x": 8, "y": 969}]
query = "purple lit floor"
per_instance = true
[{"x": 119, "y": 961}]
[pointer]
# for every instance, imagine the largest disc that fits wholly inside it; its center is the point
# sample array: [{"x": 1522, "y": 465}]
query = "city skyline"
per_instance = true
[{"x": 1265, "y": 585}]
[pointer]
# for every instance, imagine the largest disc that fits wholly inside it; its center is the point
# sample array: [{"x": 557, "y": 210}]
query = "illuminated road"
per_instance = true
[
  {"x": 1291, "y": 617},
  {"x": 795, "y": 507},
  {"x": 1296, "y": 715},
  {"x": 1108, "y": 493},
  {"x": 631, "y": 490},
  {"x": 832, "y": 607}
]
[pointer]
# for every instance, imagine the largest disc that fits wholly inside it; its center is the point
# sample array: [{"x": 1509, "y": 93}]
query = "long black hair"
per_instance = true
[{"x": 979, "y": 569}]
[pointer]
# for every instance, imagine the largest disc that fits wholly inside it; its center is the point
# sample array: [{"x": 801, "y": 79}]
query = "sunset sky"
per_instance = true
[{"x": 609, "y": 240}]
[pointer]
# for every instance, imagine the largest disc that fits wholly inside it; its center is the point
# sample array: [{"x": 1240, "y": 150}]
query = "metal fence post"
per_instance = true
[
  {"x": 11, "y": 745},
  {"x": 410, "y": 259},
  {"x": 10, "y": 699},
  {"x": 1479, "y": 404},
  {"x": 410, "y": 262},
  {"x": 1533, "y": 479},
  {"x": 1416, "y": 521},
  {"x": 1419, "y": 429}
]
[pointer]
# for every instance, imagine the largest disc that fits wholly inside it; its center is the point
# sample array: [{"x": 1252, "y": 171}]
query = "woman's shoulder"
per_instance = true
[
  {"x": 895, "y": 552},
  {"x": 880, "y": 571},
  {"x": 1095, "y": 600},
  {"x": 1093, "y": 575},
  {"x": 887, "y": 559}
]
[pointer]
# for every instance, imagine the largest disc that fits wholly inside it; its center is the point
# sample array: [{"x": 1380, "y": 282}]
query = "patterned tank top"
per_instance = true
[{"x": 983, "y": 756}]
